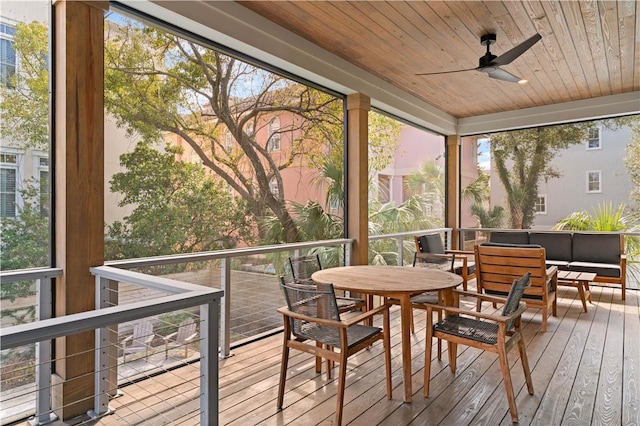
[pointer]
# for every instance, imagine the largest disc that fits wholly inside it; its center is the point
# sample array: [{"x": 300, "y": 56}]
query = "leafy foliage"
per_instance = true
[
  {"x": 522, "y": 159},
  {"x": 177, "y": 208},
  {"x": 158, "y": 83},
  {"x": 24, "y": 103}
]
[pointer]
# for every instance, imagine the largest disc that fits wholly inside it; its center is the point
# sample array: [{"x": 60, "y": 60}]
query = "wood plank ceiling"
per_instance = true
[{"x": 588, "y": 48}]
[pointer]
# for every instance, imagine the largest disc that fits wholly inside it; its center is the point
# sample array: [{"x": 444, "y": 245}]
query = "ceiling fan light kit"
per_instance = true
[{"x": 490, "y": 64}]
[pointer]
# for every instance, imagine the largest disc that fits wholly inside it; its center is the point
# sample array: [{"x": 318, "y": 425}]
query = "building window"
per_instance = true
[
  {"x": 540, "y": 206},
  {"x": 7, "y": 54},
  {"x": 228, "y": 141},
  {"x": 8, "y": 184},
  {"x": 593, "y": 141},
  {"x": 43, "y": 185},
  {"x": 274, "y": 135},
  {"x": 594, "y": 181},
  {"x": 273, "y": 187}
]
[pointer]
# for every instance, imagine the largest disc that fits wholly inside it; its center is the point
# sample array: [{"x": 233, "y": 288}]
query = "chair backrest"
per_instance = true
[
  {"x": 141, "y": 332},
  {"x": 186, "y": 329},
  {"x": 317, "y": 301},
  {"x": 429, "y": 243},
  {"x": 498, "y": 266},
  {"x": 302, "y": 267},
  {"x": 514, "y": 297}
]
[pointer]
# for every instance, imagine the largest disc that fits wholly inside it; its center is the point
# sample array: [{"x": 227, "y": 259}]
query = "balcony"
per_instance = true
[{"x": 584, "y": 369}]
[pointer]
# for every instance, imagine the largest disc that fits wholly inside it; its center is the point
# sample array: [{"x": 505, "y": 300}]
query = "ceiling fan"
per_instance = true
[{"x": 491, "y": 64}]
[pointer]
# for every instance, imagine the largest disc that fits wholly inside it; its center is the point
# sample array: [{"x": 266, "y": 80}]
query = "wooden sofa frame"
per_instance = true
[{"x": 498, "y": 267}]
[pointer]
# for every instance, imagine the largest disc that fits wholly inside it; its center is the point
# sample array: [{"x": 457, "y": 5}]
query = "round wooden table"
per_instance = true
[{"x": 398, "y": 282}]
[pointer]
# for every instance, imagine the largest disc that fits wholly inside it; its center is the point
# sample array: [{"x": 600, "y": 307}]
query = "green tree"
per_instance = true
[
  {"x": 24, "y": 102},
  {"x": 632, "y": 163},
  {"x": 158, "y": 83},
  {"x": 522, "y": 159},
  {"x": 177, "y": 208}
]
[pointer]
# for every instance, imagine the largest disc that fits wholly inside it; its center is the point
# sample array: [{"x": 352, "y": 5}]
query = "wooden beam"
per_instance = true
[
  {"x": 452, "y": 219},
  {"x": 357, "y": 179},
  {"x": 79, "y": 198}
]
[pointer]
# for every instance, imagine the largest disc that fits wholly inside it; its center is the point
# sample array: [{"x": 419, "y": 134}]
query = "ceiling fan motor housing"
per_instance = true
[{"x": 488, "y": 39}]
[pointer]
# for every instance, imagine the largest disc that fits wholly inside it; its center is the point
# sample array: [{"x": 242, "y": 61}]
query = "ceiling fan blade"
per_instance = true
[
  {"x": 509, "y": 56},
  {"x": 500, "y": 74},
  {"x": 446, "y": 72}
]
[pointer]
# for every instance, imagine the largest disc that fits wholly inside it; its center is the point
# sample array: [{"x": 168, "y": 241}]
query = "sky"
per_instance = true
[{"x": 484, "y": 156}]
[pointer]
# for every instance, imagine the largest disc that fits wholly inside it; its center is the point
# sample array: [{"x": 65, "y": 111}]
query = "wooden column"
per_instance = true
[
  {"x": 452, "y": 219},
  {"x": 357, "y": 182},
  {"x": 79, "y": 201}
]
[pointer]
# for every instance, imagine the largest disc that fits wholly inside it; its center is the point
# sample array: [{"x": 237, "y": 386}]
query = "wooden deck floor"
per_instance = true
[{"x": 585, "y": 369}]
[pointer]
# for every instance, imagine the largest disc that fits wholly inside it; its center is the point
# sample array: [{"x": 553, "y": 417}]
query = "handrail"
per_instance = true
[
  {"x": 29, "y": 274},
  {"x": 222, "y": 254},
  {"x": 182, "y": 296}
]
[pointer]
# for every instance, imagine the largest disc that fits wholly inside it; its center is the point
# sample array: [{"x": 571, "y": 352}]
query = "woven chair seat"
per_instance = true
[
  {"x": 480, "y": 331},
  {"x": 330, "y": 335}
]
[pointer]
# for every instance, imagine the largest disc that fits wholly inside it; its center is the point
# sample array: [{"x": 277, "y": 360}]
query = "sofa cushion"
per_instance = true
[
  {"x": 557, "y": 245},
  {"x": 596, "y": 248},
  {"x": 601, "y": 269},
  {"x": 509, "y": 237}
]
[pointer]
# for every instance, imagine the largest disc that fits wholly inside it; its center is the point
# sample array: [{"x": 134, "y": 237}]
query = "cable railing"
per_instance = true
[
  {"x": 247, "y": 311},
  {"x": 177, "y": 296}
]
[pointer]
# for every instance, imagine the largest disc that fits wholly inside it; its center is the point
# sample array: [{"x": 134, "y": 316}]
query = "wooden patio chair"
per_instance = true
[
  {"x": 302, "y": 267},
  {"x": 139, "y": 341},
  {"x": 185, "y": 335},
  {"x": 431, "y": 252},
  {"x": 312, "y": 314},
  {"x": 494, "y": 333}
]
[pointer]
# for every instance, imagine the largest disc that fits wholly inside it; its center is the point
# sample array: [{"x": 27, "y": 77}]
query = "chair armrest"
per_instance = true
[
  {"x": 126, "y": 340},
  {"x": 495, "y": 318},
  {"x": 462, "y": 252},
  {"x": 435, "y": 255},
  {"x": 484, "y": 297},
  {"x": 149, "y": 339},
  {"x": 191, "y": 338},
  {"x": 552, "y": 270},
  {"x": 170, "y": 336},
  {"x": 322, "y": 321},
  {"x": 365, "y": 315}
]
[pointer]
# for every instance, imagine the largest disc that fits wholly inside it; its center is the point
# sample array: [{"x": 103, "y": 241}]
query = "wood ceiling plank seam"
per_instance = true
[
  {"x": 627, "y": 28},
  {"x": 536, "y": 90},
  {"x": 560, "y": 42},
  {"x": 609, "y": 26},
  {"x": 550, "y": 51},
  {"x": 573, "y": 17},
  {"x": 402, "y": 36},
  {"x": 345, "y": 10},
  {"x": 312, "y": 27},
  {"x": 511, "y": 31},
  {"x": 443, "y": 19},
  {"x": 593, "y": 31},
  {"x": 405, "y": 13}
]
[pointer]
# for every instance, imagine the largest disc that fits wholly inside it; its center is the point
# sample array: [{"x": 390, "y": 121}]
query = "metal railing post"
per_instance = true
[
  {"x": 400, "y": 242},
  {"x": 44, "y": 414},
  {"x": 225, "y": 314},
  {"x": 209, "y": 363},
  {"x": 101, "y": 369}
]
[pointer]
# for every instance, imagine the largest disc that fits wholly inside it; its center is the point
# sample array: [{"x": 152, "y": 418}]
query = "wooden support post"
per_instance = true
[
  {"x": 452, "y": 219},
  {"x": 79, "y": 201},
  {"x": 357, "y": 182}
]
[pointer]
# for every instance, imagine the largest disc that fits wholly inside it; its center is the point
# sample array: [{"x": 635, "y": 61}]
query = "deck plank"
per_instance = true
[{"x": 585, "y": 369}]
